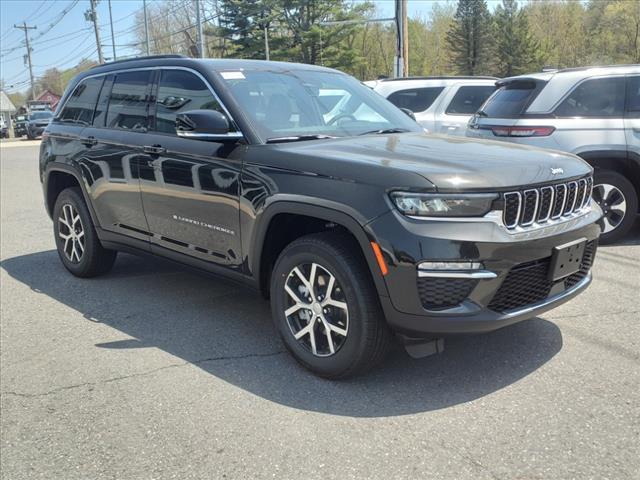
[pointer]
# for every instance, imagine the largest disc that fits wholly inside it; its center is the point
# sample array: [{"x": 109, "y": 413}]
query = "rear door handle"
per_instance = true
[
  {"x": 89, "y": 141},
  {"x": 154, "y": 149}
]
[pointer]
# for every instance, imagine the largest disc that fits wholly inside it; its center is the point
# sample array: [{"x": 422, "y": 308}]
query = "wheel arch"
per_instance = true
[
  {"x": 264, "y": 251},
  {"x": 56, "y": 179}
]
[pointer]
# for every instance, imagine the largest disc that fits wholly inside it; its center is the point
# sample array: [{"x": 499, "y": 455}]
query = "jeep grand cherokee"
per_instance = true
[{"x": 354, "y": 222}]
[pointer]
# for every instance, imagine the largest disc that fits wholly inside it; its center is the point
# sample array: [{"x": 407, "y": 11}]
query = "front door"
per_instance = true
[{"x": 190, "y": 187}]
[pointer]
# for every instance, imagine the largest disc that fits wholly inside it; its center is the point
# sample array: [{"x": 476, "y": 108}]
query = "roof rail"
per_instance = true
[
  {"x": 442, "y": 77},
  {"x": 147, "y": 57},
  {"x": 587, "y": 67}
]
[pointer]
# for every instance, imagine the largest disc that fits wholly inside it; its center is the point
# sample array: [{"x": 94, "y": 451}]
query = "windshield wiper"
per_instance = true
[
  {"x": 298, "y": 138},
  {"x": 386, "y": 130}
]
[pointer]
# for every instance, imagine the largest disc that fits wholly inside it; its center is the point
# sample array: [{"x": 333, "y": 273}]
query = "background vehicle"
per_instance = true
[
  {"x": 593, "y": 112},
  {"x": 38, "y": 121},
  {"x": 20, "y": 125},
  {"x": 440, "y": 104},
  {"x": 303, "y": 183}
]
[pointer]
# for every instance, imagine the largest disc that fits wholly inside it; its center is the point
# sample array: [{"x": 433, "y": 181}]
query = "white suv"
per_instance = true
[
  {"x": 593, "y": 112},
  {"x": 440, "y": 104}
]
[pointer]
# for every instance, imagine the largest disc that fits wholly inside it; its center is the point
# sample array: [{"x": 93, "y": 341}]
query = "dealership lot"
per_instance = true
[{"x": 156, "y": 372}]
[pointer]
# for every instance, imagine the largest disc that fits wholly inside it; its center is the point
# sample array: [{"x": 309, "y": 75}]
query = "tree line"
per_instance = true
[{"x": 453, "y": 38}]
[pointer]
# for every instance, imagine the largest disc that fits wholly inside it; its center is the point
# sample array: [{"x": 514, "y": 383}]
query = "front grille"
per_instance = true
[
  {"x": 439, "y": 293},
  {"x": 529, "y": 282},
  {"x": 538, "y": 205}
]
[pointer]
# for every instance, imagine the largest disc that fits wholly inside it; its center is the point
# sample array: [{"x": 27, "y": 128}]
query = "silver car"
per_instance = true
[
  {"x": 593, "y": 112},
  {"x": 439, "y": 104}
]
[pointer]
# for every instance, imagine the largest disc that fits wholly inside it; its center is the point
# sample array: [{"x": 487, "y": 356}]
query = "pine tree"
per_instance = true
[
  {"x": 469, "y": 37},
  {"x": 515, "y": 48}
]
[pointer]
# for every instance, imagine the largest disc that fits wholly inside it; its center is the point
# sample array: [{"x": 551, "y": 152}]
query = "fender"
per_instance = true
[
  {"x": 329, "y": 211},
  {"x": 592, "y": 156}
]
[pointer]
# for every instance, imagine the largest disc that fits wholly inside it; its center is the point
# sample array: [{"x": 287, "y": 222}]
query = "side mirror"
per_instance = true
[
  {"x": 204, "y": 125},
  {"x": 409, "y": 113}
]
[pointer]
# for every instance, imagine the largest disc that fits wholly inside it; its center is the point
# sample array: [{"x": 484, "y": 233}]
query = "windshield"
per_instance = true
[
  {"x": 307, "y": 103},
  {"x": 40, "y": 115}
]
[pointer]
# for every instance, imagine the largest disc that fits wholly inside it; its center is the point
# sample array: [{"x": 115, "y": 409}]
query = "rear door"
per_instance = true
[
  {"x": 114, "y": 151},
  {"x": 458, "y": 105},
  {"x": 632, "y": 117},
  {"x": 190, "y": 187}
]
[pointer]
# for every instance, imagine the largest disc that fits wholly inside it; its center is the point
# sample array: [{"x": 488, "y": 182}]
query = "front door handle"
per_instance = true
[
  {"x": 154, "y": 149},
  {"x": 89, "y": 141}
]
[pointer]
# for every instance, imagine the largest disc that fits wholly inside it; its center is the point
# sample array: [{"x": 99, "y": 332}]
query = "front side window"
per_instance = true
[
  {"x": 181, "y": 91},
  {"x": 82, "y": 103},
  {"x": 127, "y": 108},
  {"x": 597, "y": 98},
  {"x": 469, "y": 99},
  {"x": 415, "y": 99},
  {"x": 296, "y": 103}
]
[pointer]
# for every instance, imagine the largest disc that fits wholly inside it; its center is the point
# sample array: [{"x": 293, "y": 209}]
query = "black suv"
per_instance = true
[{"x": 302, "y": 182}]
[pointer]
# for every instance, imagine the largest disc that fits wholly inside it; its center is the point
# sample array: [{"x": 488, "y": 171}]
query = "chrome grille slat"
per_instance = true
[{"x": 536, "y": 206}]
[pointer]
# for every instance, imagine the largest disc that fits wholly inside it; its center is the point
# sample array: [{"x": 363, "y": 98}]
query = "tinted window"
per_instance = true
[
  {"x": 128, "y": 101},
  {"x": 180, "y": 91},
  {"x": 103, "y": 102},
  {"x": 511, "y": 100},
  {"x": 600, "y": 97},
  {"x": 82, "y": 103},
  {"x": 633, "y": 95},
  {"x": 415, "y": 99},
  {"x": 468, "y": 100}
]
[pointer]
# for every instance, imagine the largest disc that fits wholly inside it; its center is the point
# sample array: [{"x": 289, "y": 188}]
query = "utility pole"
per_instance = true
[
  {"x": 113, "y": 37},
  {"x": 92, "y": 16},
  {"x": 26, "y": 29},
  {"x": 200, "y": 36},
  {"x": 401, "y": 67},
  {"x": 146, "y": 26},
  {"x": 405, "y": 37},
  {"x": 266, "y": 42}
]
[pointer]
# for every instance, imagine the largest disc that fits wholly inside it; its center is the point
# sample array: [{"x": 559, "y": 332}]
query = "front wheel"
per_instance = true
[
  {"x": 619, "y": 202},
  {"x": 326, "y": 308}
]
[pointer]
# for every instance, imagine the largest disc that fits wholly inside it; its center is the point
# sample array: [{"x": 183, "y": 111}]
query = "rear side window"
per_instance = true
[
  {"x": 82, "y": 103},
  {"x": 415, "y": 99},
  {"x": 597, "y": 98},
  {"x": 128, "y": 101},
  {"x": 511, "y": 100},
  {"x": 633, "y": 96},
  {"x": 181, "y": 91},
  {"x": 469, "y": 99}
]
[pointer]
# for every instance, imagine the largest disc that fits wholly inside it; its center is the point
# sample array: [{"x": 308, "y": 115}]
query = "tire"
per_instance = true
[
  {"x": 80, "y": 251},
  {"x": 610, "y": 190},
  {"x": 366, "y": 336}
]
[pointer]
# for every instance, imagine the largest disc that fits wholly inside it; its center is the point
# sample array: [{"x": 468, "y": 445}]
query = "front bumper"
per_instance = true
[{"x": 517, "y": 289}]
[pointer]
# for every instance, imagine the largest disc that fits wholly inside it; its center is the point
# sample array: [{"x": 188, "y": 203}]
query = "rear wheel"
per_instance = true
[
  {"x": 325, "y": 306},
  {"x": 619, "y": 202},
  {"x": 77, "y": 243}
]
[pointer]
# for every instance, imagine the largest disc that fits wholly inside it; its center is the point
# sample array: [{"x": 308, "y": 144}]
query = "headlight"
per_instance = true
[{"x": 443, "y": 205}]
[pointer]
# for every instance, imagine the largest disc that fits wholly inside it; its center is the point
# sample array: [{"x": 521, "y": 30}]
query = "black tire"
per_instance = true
[
  {"x": 368, "y": 337},
  {"x": 624, "y": 224},
  {"x": 95, "y": 259}
]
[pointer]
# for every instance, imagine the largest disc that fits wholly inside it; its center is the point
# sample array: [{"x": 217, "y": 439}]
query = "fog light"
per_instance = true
[{"x": 450, "y": 266}]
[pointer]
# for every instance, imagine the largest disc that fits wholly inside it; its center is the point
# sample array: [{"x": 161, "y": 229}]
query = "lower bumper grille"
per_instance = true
[
  {"x": 440, "y": 293},
  {"x": 529, "y": 282}
]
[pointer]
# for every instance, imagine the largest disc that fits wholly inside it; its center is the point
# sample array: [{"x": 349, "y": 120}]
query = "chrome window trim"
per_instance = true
[{"x": 535, "y": 208}]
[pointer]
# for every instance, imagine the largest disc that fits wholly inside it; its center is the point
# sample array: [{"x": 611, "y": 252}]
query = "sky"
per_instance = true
[{"x": 63, "y": 36}]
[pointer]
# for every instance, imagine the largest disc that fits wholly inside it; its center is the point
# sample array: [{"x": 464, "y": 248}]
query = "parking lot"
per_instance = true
[{"x": 156, "y": 372}]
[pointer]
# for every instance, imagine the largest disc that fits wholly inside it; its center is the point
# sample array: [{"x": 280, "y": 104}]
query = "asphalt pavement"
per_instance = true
[{"x": 155, "y": 372}]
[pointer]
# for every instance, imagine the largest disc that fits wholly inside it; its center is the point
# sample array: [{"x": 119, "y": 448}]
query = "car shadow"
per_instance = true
[{"x": 226, "y": 331}]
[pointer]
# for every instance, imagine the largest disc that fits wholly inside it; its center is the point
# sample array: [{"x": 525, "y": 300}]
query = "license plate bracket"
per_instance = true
[{"x": 566, "y": 259}]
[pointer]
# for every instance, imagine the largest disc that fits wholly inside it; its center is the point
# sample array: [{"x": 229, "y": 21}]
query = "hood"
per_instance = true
[{"x": 451, "y": 163}]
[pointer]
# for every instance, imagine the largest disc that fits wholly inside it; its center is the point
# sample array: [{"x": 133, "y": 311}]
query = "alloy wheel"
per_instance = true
[
  {"x": 71, "y": 231},
  {"x": 613, "y": 204},
  {"x": 316, "y": 309}
]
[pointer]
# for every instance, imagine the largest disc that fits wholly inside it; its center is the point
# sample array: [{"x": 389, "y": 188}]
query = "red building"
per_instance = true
[{"x": 50, "y": 98}]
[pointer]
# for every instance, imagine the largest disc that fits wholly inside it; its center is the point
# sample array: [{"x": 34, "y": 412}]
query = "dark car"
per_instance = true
[
  {"x": 20, "y": 125},
  {"x": 355, "y": 223},
  {"x": 37, "y": 122}
]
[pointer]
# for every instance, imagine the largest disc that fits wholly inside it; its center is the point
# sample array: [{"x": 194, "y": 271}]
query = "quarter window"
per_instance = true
[
  {"x": 597, "y": 98},
  {"x": 633, "y": 100},
  {"x": 128, "y": 101},
  {"x": 181, "y": 91},
  {"x": 82, "y": 103},
  {"x": 469, "y": 99},
  {"x": 415, "y": 99}
]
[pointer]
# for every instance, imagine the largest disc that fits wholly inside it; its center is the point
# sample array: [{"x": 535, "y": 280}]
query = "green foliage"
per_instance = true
[
  {"x": 469, "y": 37},
  {"x": 516, "y": 51}
]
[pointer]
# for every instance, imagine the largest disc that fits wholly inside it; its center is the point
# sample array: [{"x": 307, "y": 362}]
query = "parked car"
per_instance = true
[
  {"x": 38, "y": 121},
  {"x": 440, "y": 104},
  {"x": 20, "y": 125},
  {"x": 593, "y": 112},
  {"x": 357, "y": 226}
]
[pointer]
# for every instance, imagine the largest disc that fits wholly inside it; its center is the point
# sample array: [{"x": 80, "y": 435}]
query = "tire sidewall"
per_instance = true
[
  {"x": 631, "y": 198},
  {"x": 353, "y": 346}
]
